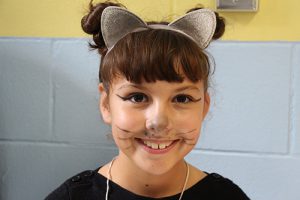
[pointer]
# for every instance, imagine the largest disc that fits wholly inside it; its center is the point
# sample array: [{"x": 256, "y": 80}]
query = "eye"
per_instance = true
[
  {"x": 183, "y": 98},
  {"x": 135, "y": 98},
  {"x": 138, "y": 98}
]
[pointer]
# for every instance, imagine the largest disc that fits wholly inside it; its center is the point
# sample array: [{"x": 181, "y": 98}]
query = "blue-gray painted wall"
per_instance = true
[{"x": 51, "y": 129}]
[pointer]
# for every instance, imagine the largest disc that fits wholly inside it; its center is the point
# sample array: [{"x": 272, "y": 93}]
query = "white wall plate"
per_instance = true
[{"x": 237, "y": 5}]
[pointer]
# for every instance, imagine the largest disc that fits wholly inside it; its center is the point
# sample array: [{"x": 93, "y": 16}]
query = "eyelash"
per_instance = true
[
  {"x": 190, "y": 98},
  {"x": 130, "y": 97}
]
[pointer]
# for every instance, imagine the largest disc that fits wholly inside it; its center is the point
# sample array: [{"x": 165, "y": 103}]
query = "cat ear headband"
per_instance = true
[{"x": 116, "y": 23}]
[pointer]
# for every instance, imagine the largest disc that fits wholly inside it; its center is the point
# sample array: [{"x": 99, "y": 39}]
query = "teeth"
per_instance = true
[
  {"x": 157, "y": 146},
  {"x": 162, "y": 146},
  {"x": 154, "y": 146}
]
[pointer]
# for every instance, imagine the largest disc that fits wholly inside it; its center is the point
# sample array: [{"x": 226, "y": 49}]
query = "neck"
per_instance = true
[{"x": 134, "y": 179}]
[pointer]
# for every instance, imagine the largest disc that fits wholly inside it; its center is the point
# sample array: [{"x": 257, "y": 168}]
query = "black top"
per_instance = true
[{"x": 90, "y": 185}]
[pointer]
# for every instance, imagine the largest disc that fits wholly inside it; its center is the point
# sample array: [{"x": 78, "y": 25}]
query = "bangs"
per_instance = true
[{"x": 153, "y": 55}]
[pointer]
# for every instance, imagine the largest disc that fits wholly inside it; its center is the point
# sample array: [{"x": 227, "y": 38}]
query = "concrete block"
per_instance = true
[
  {"x": 75, "y": 76},
  {"x": 250, "y": 98},
  {"x": 32, "y": 171},
  {"x": 260, "y": 176},
  {"x": 24, "y": 88},
  {"x": 295, "y": 107}
]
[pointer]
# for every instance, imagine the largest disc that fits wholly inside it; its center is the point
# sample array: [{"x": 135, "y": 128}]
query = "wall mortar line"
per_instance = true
[
  {"x": 291, "y": 116},
  {"x": 51, "y": 92}
]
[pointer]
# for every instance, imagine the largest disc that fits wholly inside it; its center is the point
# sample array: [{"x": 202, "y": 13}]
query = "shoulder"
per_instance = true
[
  {"x": 78, "y": 185},
  {"x": 224, "y": 187},
  {"x": 214, "y": 186}
]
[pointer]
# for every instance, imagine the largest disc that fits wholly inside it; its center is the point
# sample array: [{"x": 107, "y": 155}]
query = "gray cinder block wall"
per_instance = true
[{"x": 51, "y": 129}]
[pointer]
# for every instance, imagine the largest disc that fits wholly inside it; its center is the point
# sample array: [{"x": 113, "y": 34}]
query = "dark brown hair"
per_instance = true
[{"x": 149, "y": 55}]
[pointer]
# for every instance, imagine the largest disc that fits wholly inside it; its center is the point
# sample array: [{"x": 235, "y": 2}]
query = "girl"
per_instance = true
[{"x": 153, "y": 83}]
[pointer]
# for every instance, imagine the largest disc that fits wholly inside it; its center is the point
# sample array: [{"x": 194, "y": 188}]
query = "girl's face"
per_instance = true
[{"x": 154, "y": 125}]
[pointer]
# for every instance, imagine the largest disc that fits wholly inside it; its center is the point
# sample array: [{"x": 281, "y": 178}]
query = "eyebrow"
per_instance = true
[
  {"x": 132, "y": 85},
  {"x": 189, "y": 87}
]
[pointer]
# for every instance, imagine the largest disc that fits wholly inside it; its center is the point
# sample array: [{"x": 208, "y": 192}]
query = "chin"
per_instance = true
[{"x": 156, "y": 167}]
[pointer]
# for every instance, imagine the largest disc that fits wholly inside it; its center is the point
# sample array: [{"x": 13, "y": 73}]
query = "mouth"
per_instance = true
[{"x": 156, "y": 146}]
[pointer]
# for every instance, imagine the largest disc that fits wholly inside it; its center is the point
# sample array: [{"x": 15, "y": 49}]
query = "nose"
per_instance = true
[{"x": 158, "y": 120}]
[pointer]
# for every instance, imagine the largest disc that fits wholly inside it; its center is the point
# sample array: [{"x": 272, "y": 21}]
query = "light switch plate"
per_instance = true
[{"x": 237, "y": 5}]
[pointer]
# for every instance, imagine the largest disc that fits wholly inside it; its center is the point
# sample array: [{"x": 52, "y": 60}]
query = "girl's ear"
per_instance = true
[
  {"x": 104, "y": 104},
  {"x": 206, "y": 104}
]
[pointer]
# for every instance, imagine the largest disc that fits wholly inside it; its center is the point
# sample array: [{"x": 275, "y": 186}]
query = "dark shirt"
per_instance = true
[{"x": 90, "y": 185}]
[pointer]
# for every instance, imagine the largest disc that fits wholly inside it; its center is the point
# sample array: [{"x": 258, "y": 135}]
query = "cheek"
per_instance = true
[
  {"x": 188, "y": 120},
  {"x": 128, "y": 119}
]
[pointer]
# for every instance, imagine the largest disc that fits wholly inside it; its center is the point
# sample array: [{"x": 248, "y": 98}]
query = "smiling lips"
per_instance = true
[
  {"x": 161, "y": 145},
  {"x": 157, "y": 147}
]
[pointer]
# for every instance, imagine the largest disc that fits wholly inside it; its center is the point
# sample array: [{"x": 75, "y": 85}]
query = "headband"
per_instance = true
[{"x": 116, "y": 23}]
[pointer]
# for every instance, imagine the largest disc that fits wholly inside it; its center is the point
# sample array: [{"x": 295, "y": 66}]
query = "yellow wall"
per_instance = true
[{"x": 275, "y": 20}]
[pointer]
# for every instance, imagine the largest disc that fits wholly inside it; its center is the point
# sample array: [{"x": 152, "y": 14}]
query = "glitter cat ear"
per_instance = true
[
  {"x": 199, "y": 25},
  {"x": 116, "y": 22}
]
